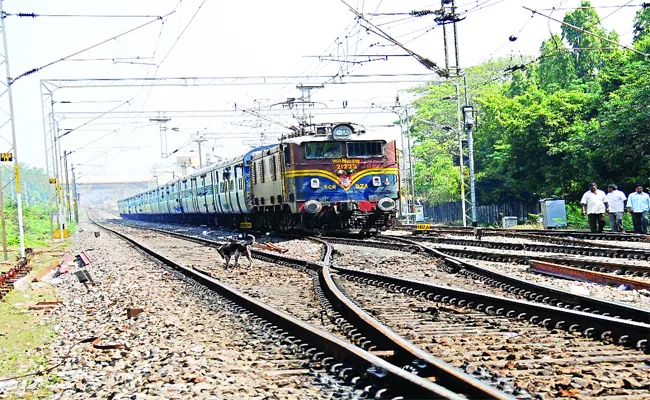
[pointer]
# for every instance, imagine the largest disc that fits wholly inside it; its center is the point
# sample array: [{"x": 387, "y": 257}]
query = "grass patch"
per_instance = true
[{"x": 22, "y": 331}]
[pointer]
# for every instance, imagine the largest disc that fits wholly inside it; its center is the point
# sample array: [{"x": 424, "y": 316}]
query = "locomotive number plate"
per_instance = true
[
  {"x": 246, "y": 225},
  {"x": 423, "y": 227}
]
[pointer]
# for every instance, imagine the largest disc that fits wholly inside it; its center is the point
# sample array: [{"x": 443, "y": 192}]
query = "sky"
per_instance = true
[{"x": 256, "y": 40}]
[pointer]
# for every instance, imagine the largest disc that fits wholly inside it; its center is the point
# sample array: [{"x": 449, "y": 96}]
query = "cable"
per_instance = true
[
  {"x": 153, "y": 56},
  {"x": 615, "y": 11},
  {"x": 32, "y": 71},
  {"x": 97, "y": 117},
  {"x": 179, "y": 36},
  {"x": 590, "y": 33},
  {"x": 424, "y": 61},
  {"x": 471, "y": 10},
  {"x": 34, "y": 15}
]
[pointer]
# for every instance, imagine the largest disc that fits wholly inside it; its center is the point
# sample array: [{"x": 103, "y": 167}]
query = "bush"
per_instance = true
[
  {"x": 36, "y": 225},
  {"x": 577, "y": 221}
]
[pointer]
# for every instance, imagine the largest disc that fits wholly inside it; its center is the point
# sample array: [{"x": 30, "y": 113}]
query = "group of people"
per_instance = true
[{"x": 614, "y": 203}]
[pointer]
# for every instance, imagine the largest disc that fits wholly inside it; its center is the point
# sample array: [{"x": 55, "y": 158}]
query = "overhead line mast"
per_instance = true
[
  {"x": 447, "y": 16},
  {"x": 4, "y": 58}
]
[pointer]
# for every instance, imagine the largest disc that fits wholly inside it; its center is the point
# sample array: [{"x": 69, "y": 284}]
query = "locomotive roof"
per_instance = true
[{"x": 374, "y": 135}]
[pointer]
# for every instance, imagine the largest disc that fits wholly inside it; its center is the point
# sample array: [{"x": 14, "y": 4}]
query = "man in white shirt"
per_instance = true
[
  {"x": 616, "y": 200},
  {"x": 639, "y": 203},
  {"x": 596, "y": 202}
]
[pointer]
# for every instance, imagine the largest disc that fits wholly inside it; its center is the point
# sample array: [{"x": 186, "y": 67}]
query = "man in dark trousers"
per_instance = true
[
  {"x": 638, "y": 203},
  {"x": 596, "y": 202}
]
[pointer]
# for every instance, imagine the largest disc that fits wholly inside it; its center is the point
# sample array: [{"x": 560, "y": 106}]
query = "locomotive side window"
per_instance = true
[
  {"x": 323, "y": 150},
  {"x": 365, "y": 149},
  {"x": 254, "y": 173},
  {"x": 274, "y": 169},
  {"x": 241, "y": 183},
  {"x": 262, "y": 170}
]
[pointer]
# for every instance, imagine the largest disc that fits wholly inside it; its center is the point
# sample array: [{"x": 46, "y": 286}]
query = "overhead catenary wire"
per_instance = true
[
  {"x": 589, "y": 33},
  {"x": 97, "y": 117},
  {"x": 181, "y": 34},
  {"x": 615, "y": 11},
  {"x": 379, "y": 32},
  {"x": 35, "y": 15},
  {"x": 34, "y": 70}
]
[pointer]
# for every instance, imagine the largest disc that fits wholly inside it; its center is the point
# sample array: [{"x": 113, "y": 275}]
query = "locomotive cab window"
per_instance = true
[
  {"x": 365, "y": 149},
  {"x": 323, "y": 150}
]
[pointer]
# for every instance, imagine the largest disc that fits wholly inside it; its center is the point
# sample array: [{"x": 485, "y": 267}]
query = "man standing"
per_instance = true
[
  {"x": 639, "y": 203},
  {"x": 596, "y": 202},
  {"x": 616, "y": 200}
]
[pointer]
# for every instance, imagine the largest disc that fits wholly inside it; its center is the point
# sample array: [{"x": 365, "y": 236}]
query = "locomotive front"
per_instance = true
[{"x": 343, "y": 179}]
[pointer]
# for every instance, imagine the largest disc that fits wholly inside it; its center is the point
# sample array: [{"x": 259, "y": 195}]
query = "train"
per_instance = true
[{"x": 333, "y": 177}]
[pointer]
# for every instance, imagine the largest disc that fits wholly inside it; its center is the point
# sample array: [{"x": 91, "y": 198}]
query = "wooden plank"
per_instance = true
[{"x": 40, "y": 275}]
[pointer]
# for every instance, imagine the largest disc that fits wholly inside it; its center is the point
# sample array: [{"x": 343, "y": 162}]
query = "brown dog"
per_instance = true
[{"x": 236, "y": 248}]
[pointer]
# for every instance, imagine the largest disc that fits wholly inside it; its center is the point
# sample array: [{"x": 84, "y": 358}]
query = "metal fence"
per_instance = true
[{"x": 486, "y": 214}]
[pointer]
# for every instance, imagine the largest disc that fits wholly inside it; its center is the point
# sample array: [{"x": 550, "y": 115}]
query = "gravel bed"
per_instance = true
[
  {"x": 297, "y": 248},
  {"x": 515, "y": 356},
  {"x": 285, "y": 288},
  {"x": 624, "y": 261},
  {"x": 424, "y": 268},
  {"x": 406, "y": 265},
  {"x": 510, "y": 239},
  {"x": 639, "y": 298},
  {"x": 185, "y": 344}
]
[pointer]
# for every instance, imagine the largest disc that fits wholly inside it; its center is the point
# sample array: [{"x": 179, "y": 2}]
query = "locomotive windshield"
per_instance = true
[
  {"x": 365, "y": 149},
  {"x": 323, "y": 150}
]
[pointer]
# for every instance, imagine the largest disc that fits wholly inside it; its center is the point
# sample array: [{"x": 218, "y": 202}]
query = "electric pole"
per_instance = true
[
  {"x": 11, "y": 121},
  {"x": 162, "y": 123},
  {"x": 199, "y": 139},
  {"x": 67, "y": 185},
  {"x": 76, "y": 197},
  {"x": 447, "y": 16},
  {"x": 2, "y": 220},
  {"x": 468, "y": 111}
]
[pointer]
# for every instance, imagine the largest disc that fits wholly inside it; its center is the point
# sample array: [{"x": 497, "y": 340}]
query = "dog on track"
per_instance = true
[{"x": 236, "y": 248}]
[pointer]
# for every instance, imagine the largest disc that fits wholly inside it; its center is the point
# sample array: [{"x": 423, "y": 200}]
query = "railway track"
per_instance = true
[
  {"x": 611, "y": 252},
  {"x": 529, "y": 290},
  {"x": 486, "y": 313},
  {"x": 389, "y": 363},
  {"x": 514, "y": 355},
  {"x": 589, "y": 264},
  {"x": 507, "y": 342},
  {"x": 540, "y": 234}
]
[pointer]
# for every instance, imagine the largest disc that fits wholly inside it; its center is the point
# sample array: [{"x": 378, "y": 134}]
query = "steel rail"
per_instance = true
[
  {"x": 612, "y": 252},
  {"x": 367, "y": 364},
  {"x": 624, "y": 332},
  {"x": 595, "y": 265},
  {"x": 578, "y": 274},
  {"x": 530, "y": 290},
  {"x": 601, "y": 266},
  {"x": 530, "y": 233},
  {"x": 448, "y": 380},
  {"x": 404, "y": 352}
]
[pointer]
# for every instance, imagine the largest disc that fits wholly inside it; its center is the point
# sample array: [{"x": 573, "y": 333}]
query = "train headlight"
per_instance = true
[
  {"x": 376, "y": 181},
  {"x": 314, "y": 183},
  {"x": 313, "y": 206},
  {"x": 386, "y": 204}
]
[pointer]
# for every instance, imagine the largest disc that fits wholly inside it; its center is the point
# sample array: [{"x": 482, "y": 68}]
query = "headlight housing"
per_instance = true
[
  {"x": 386, "y": 204},
  {"x": 313, "y": 206}
]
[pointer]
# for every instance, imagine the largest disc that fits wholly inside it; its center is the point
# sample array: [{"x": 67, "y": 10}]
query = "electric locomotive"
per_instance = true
[{"x": 323, "y": 178}]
